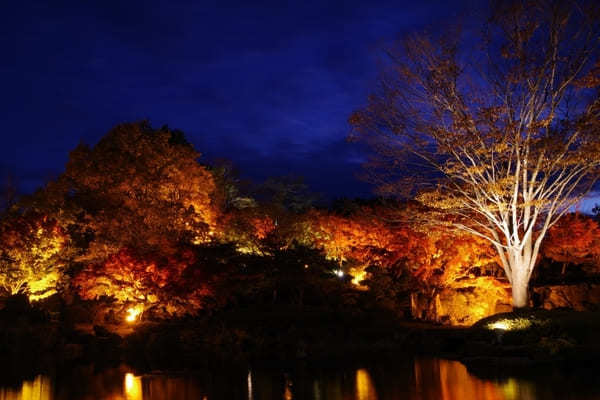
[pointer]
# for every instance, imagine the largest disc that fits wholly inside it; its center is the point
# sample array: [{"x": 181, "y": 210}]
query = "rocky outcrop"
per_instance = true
[
  {"x": 580, "y": 297},
  {"x": 476, "y": 298},
  {"x": 464, "y": 304}
]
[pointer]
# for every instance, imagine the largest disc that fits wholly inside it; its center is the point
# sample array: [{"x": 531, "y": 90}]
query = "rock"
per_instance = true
[
  {"x": 579, "y": 297},
  {"x": 481, "y": 297},
  {"x": 475, "y": 299}
]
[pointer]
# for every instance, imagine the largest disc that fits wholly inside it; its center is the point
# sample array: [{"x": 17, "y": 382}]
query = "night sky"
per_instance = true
[{"x": 268, "y": 85}]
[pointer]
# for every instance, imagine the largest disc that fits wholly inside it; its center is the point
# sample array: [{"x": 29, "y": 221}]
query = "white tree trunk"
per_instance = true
[
  {"x": 520, "y": 264},
  {"x": 520, "y": 291}
]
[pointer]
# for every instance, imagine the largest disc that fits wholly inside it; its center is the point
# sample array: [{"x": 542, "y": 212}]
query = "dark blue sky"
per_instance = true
[{"x": 268, "y": 85}]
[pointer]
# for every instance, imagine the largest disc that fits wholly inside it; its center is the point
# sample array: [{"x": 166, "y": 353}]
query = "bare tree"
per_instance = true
[{"x": 506, "y": 132}]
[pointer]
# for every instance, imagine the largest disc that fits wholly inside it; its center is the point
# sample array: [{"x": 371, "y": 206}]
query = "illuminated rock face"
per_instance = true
[
  {"x": 475, "y": 299},
  {"x": 580, "y": 297},
  {"x": 480, "y": 297}
]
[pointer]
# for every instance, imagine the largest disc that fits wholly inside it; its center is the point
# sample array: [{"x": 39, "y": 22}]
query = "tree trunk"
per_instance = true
[
  {"x": 520, "y": 262},
  {"x": 520, "y": 292}
]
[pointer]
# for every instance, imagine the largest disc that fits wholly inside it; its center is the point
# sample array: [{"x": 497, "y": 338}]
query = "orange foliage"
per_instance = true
[
  {"x": 436, "y": 258},
  {"x": 247, "y": 228},
  {"x": 149, "y": 282},
  {"x": 447, "y": 257},
  {"x": 263, "y": 226},
  {"x": 139, "y": 188},
  {"x": 363, "y": 238}
]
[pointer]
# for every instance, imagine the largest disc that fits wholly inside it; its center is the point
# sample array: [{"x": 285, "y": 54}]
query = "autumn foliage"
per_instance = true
[
  {"x": 575, "y": 239},
  {"x": 136, "y": 222},
  {"x": 32, "y": 255},
  {"x": 159, "y": 282}
]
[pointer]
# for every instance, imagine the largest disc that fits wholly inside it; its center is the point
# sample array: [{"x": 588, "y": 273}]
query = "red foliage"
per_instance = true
[
  {"x": 147, "y": 281},
  {"x": 574, "y": 239}
]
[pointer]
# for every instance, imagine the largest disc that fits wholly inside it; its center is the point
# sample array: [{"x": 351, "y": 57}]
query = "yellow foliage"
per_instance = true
[{"x": 30, "y": 256}]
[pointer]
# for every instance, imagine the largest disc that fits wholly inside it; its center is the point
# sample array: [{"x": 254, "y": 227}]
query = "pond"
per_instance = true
[{"x": 410, "y": 379}]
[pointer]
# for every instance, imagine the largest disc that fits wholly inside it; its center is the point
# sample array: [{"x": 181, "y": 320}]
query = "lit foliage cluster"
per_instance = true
[
  {"x": 144, "y": 282},
  {"x": 374, "y": 237},
  {"x": 448, "y": 257},
  {"x": 362, "y": 237},
  {"x": 31, "y": 255},
  {"x": 248, "y": 228}
]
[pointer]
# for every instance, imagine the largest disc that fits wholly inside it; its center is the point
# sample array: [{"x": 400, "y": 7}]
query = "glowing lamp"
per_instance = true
[{"x": 339, "y": 273}]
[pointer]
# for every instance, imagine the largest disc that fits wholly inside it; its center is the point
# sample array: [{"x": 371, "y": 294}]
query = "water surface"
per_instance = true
[{"x": 419, "y": 379}]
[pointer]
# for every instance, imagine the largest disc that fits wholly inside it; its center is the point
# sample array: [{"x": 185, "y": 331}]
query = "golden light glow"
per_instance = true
[
  {"x": 499, "y": 325},
  {"x": 359, "y": 274},
  {"x": 133, "y": 313},
  {"x": 38, "y": 389},
  {"x": 43, "y": 287},
  {"x": 133, "y": 387},
  {"x": 365, "y": 390},
  {"x": 287, "y": 392},
  {"x": 510, "y": 324}
]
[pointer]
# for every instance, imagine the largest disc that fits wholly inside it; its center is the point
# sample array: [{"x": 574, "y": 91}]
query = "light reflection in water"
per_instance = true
[
  {"x": 133, "y": 387},
  {"x": 450, "y": 380},
  {"x": 38, "y": 389},
  {"x": 287, "y": 392},
  {"x": 421, "y": 379},
  {"x": 250, "y": 392},
  {"x": 365, "y": 390}
]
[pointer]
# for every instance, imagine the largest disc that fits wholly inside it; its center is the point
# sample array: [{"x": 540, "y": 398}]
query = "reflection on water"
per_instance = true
[
  {"x": 249, "y": 381},
  {"x": 421, "y": 379},
  {"x": 38, "y": 389},
  {"x": 133, "y": 387},
  {"x": 365, "y": 390}
]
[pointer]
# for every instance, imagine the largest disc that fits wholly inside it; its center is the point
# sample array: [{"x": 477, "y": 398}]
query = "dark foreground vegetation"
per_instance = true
[{"x": 33, "y": 340}]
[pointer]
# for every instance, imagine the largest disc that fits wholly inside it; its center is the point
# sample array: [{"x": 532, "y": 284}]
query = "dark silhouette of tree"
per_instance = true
[{"x": 8, "y": 192}]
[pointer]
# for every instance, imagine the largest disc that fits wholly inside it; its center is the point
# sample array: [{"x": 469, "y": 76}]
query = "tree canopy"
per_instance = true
[{"x": 506, "y": 135}]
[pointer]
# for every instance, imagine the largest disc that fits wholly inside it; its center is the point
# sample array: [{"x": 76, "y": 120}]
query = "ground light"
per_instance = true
[
  {"x": 132, "y": 314},
  {"x": 509, "y": 324}
]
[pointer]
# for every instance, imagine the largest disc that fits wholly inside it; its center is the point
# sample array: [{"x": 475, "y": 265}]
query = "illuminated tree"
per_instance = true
[
  {"x": 138, "y": 188},
  {"x": 32, "y": 255},
  {"x": 247, "y": 228},
  {"x": 505, "y": 139}
]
